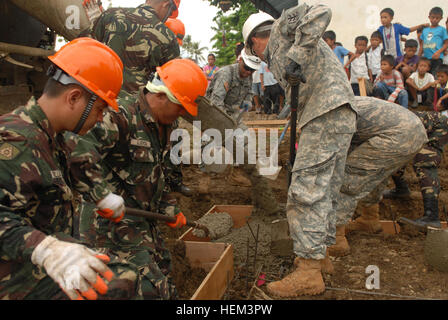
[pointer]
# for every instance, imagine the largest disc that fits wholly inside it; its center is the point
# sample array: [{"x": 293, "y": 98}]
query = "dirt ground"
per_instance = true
[{"x": 400, "y": 258}]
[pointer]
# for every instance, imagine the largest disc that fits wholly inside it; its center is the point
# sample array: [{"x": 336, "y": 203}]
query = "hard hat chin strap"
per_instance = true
[{"x": 85, "y": 114}]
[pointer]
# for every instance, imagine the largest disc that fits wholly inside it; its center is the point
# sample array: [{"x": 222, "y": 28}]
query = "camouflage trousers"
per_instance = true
[
  {"x": 425, "y": 165},
  {"x": 27, "y": 281},
  {"x": 317, "y": 177},
  {"x": 173, "y": 175},
  {"x": 137, "y": 241},
  {"x": 387, "y": 137}
]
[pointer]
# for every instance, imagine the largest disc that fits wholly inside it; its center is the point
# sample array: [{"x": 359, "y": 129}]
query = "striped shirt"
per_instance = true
[{"x": 393, "y": 80}]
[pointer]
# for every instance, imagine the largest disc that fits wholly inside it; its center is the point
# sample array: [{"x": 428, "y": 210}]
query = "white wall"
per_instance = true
[{"x": 352, "y": 18}]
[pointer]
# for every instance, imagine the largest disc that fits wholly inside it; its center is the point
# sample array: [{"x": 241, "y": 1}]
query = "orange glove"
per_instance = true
[
  {"x": 111, "y": 207},
  {"x": 74, "y": 267},
  {"x": 179, "y": 223}
]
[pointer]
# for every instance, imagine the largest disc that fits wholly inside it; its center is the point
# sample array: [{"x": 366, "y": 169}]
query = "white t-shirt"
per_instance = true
[
  {"x": 359, "y": 69},
  {"x": 256, "y": 76},
  {"x": 374, "y": 57},
  {"x": 420, "y": 83}
]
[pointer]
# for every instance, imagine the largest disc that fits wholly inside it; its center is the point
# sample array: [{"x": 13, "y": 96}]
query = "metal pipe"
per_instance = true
[{"x": 24, "y": 50}]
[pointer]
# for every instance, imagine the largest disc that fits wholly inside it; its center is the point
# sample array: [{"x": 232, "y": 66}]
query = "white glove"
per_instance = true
[
  {"x": 111, "y": 207},
  {"x": 74, "y": 267},
  {"x": 93, "y": 9}
]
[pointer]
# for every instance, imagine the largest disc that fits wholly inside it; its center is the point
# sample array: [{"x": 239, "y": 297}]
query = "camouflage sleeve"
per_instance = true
[
  {"x": 19, "y": 178},
  {"x": 112, "y": 30},
  {"x": 308, "y": 31},
  {"x": 85, "y": 161},
  {"x": 219, "y": 90}
]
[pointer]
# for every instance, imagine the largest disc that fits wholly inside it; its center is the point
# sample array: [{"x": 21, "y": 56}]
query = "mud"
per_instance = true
[
  {"x": 219, "y": 224},
  {"x": 436, "y": 249},
  {"x": 186, "y": 279},
  {"x": 404, "y": 272}
]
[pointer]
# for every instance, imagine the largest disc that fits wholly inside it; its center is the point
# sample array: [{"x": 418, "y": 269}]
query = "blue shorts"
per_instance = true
[{"x": 256, "y": 89}]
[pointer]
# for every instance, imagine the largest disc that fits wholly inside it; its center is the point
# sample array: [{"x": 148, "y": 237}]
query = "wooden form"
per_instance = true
[
  {"x": 239, "y": 214},
  {"x": 261, "y": 123},
  {"x": 362, "y": 87},
  {"x": 217, "y": 260}
]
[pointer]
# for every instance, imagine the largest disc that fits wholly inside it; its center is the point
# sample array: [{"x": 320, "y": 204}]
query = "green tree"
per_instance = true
[
  {"x": 228, "y": 30},
  {"x": 193, "y": 50}
]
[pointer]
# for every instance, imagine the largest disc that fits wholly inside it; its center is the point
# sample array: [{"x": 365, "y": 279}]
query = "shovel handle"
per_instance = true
[{"x": 162, "y": 217}]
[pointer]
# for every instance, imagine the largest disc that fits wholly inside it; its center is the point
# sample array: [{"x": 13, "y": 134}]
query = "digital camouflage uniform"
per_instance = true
[
  {"x": 387, "y": 137},
  {"x": 228, "y": 90},
  {"x": 133, "y": 159},
  {"x": 429, "y": 158},
  {"x": 36, "y": 200},
  {"x": 327, "y": 121},
  {"x": 140, "y": 39}
]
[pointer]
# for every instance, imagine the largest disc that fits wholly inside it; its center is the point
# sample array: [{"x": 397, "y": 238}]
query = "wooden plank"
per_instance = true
[
  {"x": 202, "y": 254},
  {"x": 269, "y": 129},
  {"x": 215, "y": 284},
  {"x": 388, "y": 226},
  {"x": 362, "y": 87},
  {"x": 266, "y": 122}
]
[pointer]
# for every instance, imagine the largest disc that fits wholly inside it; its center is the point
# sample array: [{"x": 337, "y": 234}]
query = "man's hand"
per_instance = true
[
  {"x": 179, "y": 223},
  {"x": 93, "y": 9},
  {"x": 436, "y": 55},
  {"x": 111, "y": 207},
  {"x": 294, "y": 74},
  {"x": 74, "y": 267}
]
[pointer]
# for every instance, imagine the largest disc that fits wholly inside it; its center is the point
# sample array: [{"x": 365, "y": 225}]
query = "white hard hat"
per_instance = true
[
  {"x": 250, "y": 60},
  {"x": 253, "y": 22}
]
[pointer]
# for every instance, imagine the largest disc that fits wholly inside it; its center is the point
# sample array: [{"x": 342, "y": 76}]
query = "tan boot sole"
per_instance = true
[{"x": 304, "y": 292}]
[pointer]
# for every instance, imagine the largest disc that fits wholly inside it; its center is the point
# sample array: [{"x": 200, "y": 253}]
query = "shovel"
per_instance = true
[{"x": 162, "y": 217}]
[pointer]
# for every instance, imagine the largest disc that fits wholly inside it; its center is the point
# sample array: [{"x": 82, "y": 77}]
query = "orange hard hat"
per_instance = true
[
  {"x": 186, "y": 82},
  {"x": 94, "y": 65},
  {"x": 177, "y": 27},
  {"x": 175, "y": 13}
]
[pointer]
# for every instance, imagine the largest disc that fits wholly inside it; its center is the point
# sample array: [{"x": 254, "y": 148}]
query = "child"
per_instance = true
[
  {"x": 434, "y": 39},
  {"x": 330, "y": 38},
  {"x": 375, "y": 53},
  {"x": 359, "y": 65},
  {"x": 392, "y": 32},
  {"x": 389, "y": 83},
  {"x": 407, "y": 64},
  {"x": 439, "y": 93},
  {"x": 420, "y": 82}
]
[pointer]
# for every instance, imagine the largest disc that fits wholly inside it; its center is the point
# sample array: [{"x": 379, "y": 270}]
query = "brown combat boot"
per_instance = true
[
  {"x": 369, "y": 221},
  {"x": 341, "y": 247},
  {"x": 326, "y": 264},
  {"x": 305, "y": 280}
]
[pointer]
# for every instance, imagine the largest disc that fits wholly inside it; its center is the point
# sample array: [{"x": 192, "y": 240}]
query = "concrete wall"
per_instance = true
[{"x": 352, "y": 18}]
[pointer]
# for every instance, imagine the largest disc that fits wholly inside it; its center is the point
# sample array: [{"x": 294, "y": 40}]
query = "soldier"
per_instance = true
[
  {"x": 231, "y": 88},
  {"x": 134, "y": 146},
  {"x": 425, "y": 165},
  {"x": 39, "y": 252},
  {"x": 139, "y": 37},
  {"x": 293, "y": 46},
  {"x": 387, "y": 137}
]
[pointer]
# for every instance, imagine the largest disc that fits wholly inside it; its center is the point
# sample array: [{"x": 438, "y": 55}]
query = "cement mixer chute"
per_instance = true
[{"x": 65, "y": 17}]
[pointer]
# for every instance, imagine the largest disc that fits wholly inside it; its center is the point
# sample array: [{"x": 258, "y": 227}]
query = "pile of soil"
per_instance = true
[
  {"x": 400, "y": 258},
  {"x": 186, "y": 278}
]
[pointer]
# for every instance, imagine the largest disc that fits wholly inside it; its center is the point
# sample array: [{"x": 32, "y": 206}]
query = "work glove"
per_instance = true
[
  {"x": 74, "y": 267},
  {"x": 179, "y": 223},
  {"x": 93, "y": 9},
  {"x": 111, "y": 207},
  {"x": 293, "y": 74}
]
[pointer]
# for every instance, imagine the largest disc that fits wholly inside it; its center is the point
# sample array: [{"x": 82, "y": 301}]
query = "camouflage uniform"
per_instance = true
[
  {"x": 35, "y": 201},
  {"x": 327, "y": 121},
  {"x": 133, "y": 161},
  {"x": 429, "y": 158},
  {"x": 140, "y": 39},
  {"x": 228, "y": 90},
  {"x": 387, "y": 137}
]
